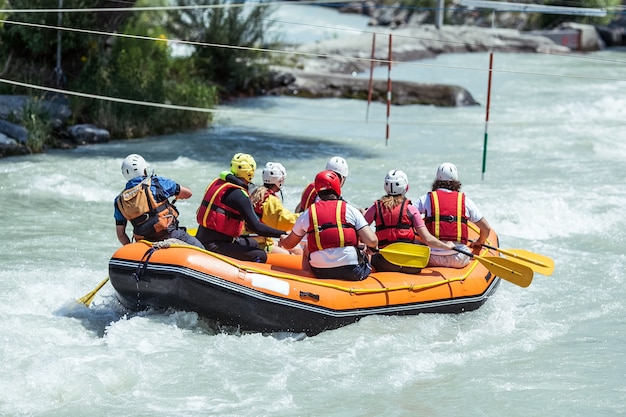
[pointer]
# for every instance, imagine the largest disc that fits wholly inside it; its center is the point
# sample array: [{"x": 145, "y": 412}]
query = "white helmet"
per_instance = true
[
  {"x": 396, "y": 182},
  {"x": 134, "y": 166},
  {"x": 447, "y": 172},
  {"x": 339, "y": 165},
  {"x": 274, "y": 173}
]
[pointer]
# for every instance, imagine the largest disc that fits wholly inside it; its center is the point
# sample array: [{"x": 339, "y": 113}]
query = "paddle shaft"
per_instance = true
[
  {"x": 88, "y": 298},
  {"x": 515, "y": 255}
]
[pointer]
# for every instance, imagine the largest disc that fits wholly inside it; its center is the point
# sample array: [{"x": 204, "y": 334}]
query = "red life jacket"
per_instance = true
[
  {"x": 448, "y": 220},
  {"x": 258, "y": 207},
  {"x": 395, "y": 225},
  {"x": 139, "y": 206},
  {"x": 328, "y": 227},
  {"x": 308, "y": 197},
  {"x": 215, "y": 215}
]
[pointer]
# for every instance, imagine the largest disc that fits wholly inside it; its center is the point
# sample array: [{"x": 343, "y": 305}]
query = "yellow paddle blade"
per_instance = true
[
  {"x": 406, "y": 254},
  {"x": 507, "y": 269},
  {"x": 88, "y": 298},
  {"x": 192, "y": 231},
  {"x": 538, "y": 263}
]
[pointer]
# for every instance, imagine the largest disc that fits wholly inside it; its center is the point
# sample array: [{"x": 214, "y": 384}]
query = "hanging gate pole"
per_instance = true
[
  {"x": 388, "y": 91},
  {"x": 369, "y": 88},
  {"x": 487, "y": 115}
]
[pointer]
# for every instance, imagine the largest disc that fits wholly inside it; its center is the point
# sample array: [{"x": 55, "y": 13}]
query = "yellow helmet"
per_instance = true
[{"x": 243, "y": 166}]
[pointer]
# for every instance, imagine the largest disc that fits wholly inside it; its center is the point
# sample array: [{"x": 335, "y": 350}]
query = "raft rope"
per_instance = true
[
  {"x": 143, "y": 266},
  {"x": 357, "y": 291}
]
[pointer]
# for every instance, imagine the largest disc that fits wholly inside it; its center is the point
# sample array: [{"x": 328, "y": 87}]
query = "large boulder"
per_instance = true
[
  {"x": 87, "y": 133},
  {"x": 307, "y": 85},
  {"x": 10, "y": 147},
  {"x": 326, "y": 69},
  {"x": 55, "y": 108},
  {"x": 12, "y": 130}
]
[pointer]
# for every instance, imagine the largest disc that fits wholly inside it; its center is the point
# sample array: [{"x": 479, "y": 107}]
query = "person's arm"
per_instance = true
[
  {"x": 363, "y": 230},
  {"x": 289, "y": 241},
  {"x": 120, "y": 224},
  {"x": 368, "y": 237},
  {"x": 240, "y": 201},
  {"x": 276, "y": 215},
  {"x": 423, "y": 232},
  {"x": 184, "y": 193},
  {"x": 431, "y": 240},
  {"x": 485, "y": 229},
  {"x": 420, "y": 204},
  {"x": 370, "y": 213},
  {"x": 120, "y": 229}
]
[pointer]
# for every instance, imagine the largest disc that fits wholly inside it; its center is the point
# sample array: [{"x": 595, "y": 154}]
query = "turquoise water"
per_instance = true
[{"x": 554, "y": 185}]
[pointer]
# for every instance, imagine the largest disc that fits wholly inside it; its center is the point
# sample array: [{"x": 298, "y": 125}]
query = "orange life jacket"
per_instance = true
[
  {"x": 148, "y": 217},
  {"x": 215, "y": 215},
  {"x": 448, "y": 220},
  {"x": 328, "y": 227},
  {"x": 395, "y": 225}
]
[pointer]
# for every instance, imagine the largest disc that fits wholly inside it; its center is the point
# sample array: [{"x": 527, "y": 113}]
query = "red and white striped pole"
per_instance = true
[
  {"x": 369, "y": 89},
  {"x": 388, "y": 91}
]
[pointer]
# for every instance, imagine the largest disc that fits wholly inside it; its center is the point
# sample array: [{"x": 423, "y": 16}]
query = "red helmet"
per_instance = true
[{"x": 328, "y": 180}]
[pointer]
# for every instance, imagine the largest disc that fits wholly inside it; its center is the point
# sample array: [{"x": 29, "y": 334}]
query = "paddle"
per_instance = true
[
  {"x": 504, "y": 268},
  {"x": 88, "y": 298},
  {"x": 538, "y": 263},
  {"x": 406, "y": 254}
]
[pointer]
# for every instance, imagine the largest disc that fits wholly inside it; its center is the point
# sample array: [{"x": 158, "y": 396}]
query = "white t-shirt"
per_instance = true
[
  {"x": 332, "y": 257},
  {"x": 471, "y": 211}
]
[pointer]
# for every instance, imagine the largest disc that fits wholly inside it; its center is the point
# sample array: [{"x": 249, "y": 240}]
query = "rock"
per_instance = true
[
  {"x": 87, "y": 133},
  {"x": 10, "y": 147},
  {"x": 345, "y": 86},
  {"x": 324, "y": 69},
  {"x": 611, "y": 36},
  {"x": 55, "y": 108},
  {"x": 14, "y": 131},
  {"x": 589, "y": 38}
]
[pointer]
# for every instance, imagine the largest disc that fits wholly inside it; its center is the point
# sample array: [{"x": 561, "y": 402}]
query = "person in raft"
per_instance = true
[
  {"x": 336, "y": 164},
  {"x": 269, "y": 207},
  {"x": 446, "y": 211},
  {"x": 225, "y": 207},
  {"x": 397, "y": 220},
  {"x": 333, "y": 229},
  {"x": 145, "y": 204}
]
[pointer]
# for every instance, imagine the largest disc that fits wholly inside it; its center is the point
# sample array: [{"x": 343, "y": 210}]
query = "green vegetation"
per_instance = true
[
  {"x": 139, "y": 70},
  {"x": 225, "y": 60},
  {"x": 39, "y": 128},
  {"x": 230, "y": 58},
  {"x": 139, "y": 67}
]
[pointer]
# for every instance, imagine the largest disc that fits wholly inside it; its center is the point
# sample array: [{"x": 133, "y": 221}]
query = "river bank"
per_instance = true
[{"x": 327, "y": 69}]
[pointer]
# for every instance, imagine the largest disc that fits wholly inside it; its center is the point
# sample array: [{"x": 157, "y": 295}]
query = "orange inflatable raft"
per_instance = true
[{"x": 279, "y": 296}]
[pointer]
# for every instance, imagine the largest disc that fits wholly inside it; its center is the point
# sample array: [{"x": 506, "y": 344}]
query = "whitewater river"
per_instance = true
[{"x": 554, "y": 184}]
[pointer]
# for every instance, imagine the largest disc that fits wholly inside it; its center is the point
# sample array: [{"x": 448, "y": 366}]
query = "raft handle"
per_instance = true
[{"x": 314, "y": 296}]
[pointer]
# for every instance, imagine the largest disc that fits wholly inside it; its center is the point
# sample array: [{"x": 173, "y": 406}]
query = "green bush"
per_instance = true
[
  {"x": 40, "y": 131},
  {"x": 139, "y": 70},
  {"x": 232, "y": 70}
]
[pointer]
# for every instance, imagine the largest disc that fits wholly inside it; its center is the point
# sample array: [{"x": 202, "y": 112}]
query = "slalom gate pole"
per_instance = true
[
  {"x": 487, "y": 115},
  {"x": 369, "y": 88},
  {"x": 388, "y": 91}
]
